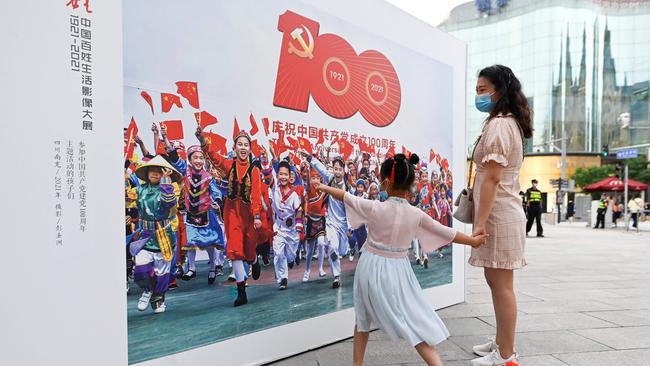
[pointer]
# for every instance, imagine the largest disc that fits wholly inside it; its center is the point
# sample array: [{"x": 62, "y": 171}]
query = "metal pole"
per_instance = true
[
  {"x": 627, "y": 227},
  {"x": 560, "y": 198}
]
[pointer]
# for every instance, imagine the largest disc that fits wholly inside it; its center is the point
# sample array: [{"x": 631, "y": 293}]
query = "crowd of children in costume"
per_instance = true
[{"x": 246, "y": 211}]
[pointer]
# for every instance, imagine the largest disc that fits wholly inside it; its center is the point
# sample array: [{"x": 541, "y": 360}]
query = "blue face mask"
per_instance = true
[{"x": 484, "y": 102}]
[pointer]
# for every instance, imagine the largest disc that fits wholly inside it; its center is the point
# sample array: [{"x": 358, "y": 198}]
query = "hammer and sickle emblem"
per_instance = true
[{"x": 307, "y": 49}]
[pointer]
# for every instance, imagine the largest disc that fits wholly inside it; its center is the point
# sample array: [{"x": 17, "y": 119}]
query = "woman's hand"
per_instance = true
[
  {"x": 479, "y": 229},
  {"x": 257, "y": 224}
]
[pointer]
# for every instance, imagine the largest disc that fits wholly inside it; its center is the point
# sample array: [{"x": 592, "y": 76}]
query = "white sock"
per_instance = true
[
  {"x": 191, "y": 260},
  {"x": 238, "y": 270}
]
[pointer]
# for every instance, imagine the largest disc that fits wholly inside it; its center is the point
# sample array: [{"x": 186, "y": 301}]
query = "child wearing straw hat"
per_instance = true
[{"x": 155, "y": 241}]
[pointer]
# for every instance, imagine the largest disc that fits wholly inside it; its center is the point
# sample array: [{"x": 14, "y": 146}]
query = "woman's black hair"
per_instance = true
[
  {"x": 284, "y": 164},
  {"x": 512, "y": 98},
  {"x": 400, "y": 171}
]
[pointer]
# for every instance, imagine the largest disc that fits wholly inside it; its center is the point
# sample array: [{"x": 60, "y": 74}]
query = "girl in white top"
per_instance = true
[{"x": 386, "y": 292}]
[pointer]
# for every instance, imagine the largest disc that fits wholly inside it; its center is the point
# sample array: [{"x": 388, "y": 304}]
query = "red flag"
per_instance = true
[
  {"x": 274, "y": 148},
  {"x": 147, "y": 97},
  {"x": 216, "y": 142},
  {"x": 444, "y": 164},
  {"x": 293, "y": 143},
  {"x": 256, "y": 149},
  {"x": 363, "y": 147},
  {"x": 296, "y": 160},
  {"x": 235, "y": 129},
  {"x": 205, "y": 119},
  {"x": 265, "y": 122},
  {"x": 390, "y": 153},
  {"x": 160, "y": 148},
  {"x": 168, "y": 100},
  {"x": 432, "y": 155},
  {"x": 305, "y": 144},
  {"x": 131, "y": 132},
  {"x": 190, "y": 91},
  {"x": 406, "y": 152},
  {"x": 280, "y": 145},
  {"x": 438, "y": 158},
  {"x": 174, "y": 129},
  {"x": 345, "y": 148},
  {"x": 254, "y": 128}
]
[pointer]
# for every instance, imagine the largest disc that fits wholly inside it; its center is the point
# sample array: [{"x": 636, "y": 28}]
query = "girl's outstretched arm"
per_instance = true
[{"x": 334, "y": 192}]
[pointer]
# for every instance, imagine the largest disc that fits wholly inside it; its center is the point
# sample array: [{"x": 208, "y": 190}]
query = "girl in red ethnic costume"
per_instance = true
[{"x": 242, "y": 208}]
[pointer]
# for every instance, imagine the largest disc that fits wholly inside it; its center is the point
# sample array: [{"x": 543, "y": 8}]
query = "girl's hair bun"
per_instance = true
[{"x": 414, "y": 159}]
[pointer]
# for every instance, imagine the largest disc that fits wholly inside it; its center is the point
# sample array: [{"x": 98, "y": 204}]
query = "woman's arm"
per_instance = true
[{"x": 488, "y": 192}]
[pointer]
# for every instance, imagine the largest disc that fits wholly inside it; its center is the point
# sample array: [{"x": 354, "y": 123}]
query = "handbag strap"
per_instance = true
[{"x": 471, "y": 163}]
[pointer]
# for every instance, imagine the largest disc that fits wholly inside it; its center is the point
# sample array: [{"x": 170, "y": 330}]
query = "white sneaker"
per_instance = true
[
  {"x": 305, "y": 277},
  {"x": 143, "y": 303},
  {"x": 160, "y": 309},
  {"x": 485, "y": 349},
  {"x": 321, "y": 273},
  {"x": 495, "y": 359},
  {"x": 351, "y": 257}
]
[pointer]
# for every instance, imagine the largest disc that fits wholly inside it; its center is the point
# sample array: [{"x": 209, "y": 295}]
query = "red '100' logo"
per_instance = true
[{"x": 327, "y": 67}]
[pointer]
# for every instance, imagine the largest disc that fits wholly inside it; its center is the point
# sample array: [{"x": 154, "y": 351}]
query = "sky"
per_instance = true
[{"x": 433, "y": 12}]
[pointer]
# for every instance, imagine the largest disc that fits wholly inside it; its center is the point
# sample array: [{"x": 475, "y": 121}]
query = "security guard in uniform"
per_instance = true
[
  {"x": 600, "y": 213},
  {"x": 534, "y": 200}
]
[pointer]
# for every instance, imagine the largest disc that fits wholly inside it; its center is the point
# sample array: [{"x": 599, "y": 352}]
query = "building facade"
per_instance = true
[{"x": 584, "y": 65}]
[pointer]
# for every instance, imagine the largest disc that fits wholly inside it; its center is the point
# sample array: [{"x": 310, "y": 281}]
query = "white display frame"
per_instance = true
[{"x": 291, "y": 339}]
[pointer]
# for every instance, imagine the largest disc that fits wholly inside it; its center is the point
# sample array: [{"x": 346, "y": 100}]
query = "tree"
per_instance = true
[
  {"x": 586, "y": 176},
  {"x": 638, "y": 169}
]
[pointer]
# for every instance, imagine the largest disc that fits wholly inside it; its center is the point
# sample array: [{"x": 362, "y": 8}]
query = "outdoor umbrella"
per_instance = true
[{"x": 614, "y": 184}]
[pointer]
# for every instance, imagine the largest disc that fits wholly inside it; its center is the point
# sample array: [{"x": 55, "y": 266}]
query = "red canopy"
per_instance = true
[{"x": 614, "y": 184}]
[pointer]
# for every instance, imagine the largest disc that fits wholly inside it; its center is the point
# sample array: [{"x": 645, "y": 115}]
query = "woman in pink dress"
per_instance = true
[{"x": 498, "y": 155}]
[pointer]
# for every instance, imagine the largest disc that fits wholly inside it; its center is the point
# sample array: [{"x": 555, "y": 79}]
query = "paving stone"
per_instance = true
[
  {"x": 620, "y": 338},
  {"x": 626, "y": 318},
  {"x": 563, "y": 306},
  {"x": 562, "y": 321},
  {"x": 540, "y": 343},
  {"x": 468, "y": 326},
  {"x": 613, "y": 358}
]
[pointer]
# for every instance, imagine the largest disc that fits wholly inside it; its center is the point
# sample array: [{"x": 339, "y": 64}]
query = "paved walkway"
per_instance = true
[{"x": 584, "y": 300}]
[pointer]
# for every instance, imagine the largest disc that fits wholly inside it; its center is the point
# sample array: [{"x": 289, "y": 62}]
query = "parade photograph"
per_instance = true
[{"x": 228, "y": 228}]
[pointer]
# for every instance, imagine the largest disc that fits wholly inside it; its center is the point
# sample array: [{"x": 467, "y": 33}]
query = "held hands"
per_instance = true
[
  {"x": 479, "y": 236},
  {"x": 478, "y": 240}
]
